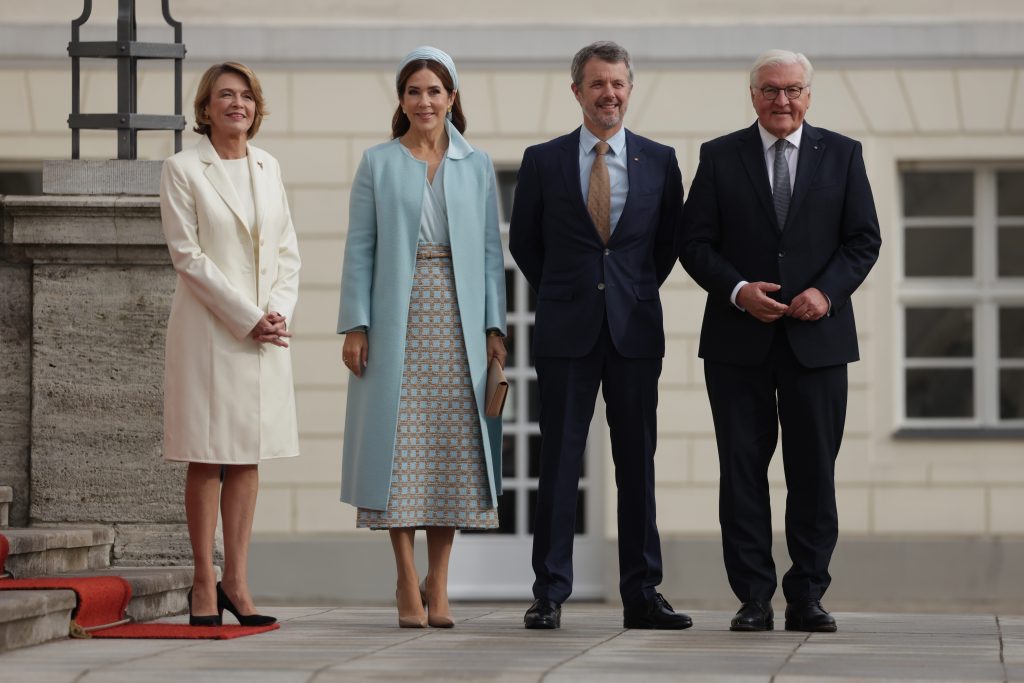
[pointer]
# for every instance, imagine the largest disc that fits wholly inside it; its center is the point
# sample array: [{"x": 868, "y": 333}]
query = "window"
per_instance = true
[{"x": 962, "y": 296}]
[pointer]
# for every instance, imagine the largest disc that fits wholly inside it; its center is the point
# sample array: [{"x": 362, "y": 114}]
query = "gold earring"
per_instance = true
[{"x": 449, "y": 109}]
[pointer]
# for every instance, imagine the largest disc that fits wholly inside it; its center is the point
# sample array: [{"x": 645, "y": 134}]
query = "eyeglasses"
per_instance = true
[{"x": 793, "y": 92}]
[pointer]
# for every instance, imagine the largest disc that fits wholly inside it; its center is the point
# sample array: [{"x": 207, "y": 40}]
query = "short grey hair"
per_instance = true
[
  {"x": 604, "y": 50},
  {"x": 781, "y": 58}
]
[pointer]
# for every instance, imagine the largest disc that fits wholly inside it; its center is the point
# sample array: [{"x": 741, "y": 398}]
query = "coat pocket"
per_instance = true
[{"x": 555, "y": 292}]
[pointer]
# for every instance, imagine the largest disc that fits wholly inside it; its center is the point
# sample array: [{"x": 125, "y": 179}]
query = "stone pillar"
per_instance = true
[{"x": 92, "y": 284}]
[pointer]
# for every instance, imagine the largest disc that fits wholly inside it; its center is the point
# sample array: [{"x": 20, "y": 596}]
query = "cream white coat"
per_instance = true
[{"x": 228, "y": 399}]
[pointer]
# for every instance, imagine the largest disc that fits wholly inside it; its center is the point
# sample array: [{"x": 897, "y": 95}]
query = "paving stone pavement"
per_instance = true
[{"x": 489, "y": 643}]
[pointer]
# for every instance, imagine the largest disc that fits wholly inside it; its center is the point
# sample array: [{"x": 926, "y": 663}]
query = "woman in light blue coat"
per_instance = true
[{"x": 423, "y": 313}]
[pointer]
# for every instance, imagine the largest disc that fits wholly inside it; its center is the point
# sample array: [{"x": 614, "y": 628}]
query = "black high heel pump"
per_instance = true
[
  {"x": 224, "y": 603},
  {"x": 206, "y": 619}
]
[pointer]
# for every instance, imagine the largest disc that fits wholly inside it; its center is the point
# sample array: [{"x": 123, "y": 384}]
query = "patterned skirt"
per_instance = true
[{"x": 439, "y": 477}]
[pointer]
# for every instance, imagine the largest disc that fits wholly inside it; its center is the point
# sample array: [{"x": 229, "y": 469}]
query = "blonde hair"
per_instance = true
[{"x": 205, "y": 91}]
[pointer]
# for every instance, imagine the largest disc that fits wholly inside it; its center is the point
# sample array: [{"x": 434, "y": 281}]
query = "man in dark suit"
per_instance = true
[
  {"x": 779, "y": 260},
  {"x": 593, "y": 229}
]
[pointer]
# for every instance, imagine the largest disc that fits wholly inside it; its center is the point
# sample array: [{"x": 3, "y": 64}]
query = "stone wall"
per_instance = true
[{"x": 87, "y": 283}]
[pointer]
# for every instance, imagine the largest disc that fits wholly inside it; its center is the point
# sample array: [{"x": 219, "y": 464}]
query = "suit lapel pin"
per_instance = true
[{"x": 260, "y": 163}]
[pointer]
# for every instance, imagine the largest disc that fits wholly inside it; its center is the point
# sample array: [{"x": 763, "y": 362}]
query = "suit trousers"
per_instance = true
[
  {"x": 748, "y": 405},
  {"x": 568, "y": 391}
]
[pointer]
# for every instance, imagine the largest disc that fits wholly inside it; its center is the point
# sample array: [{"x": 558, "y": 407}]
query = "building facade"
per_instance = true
[{"x": 931, "y": 475}]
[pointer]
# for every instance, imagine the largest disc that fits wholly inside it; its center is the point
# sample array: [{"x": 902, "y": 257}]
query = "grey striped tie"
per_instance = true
[{"x": 780, "y": 188}]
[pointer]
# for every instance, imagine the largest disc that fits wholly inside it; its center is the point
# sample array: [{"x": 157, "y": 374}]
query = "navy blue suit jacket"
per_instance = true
[
  {"x": 578, "y": 280},
  {"x": 830, "y": 241}
]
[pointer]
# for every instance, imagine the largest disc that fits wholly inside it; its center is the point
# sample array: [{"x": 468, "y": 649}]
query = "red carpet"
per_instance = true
[
  {"x": 101, "y": 599},
  {"x": 181, "y": 631},
  {"x": 5, "y": 547}
]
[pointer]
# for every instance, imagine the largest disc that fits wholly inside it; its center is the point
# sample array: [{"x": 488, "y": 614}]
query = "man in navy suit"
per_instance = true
[
  {"x": 780, "y": 229},
  {"x": 593, "y": 229}
]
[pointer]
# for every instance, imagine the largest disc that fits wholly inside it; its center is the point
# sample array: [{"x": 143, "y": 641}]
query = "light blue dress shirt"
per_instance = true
[{"x": 615, "y": 160}]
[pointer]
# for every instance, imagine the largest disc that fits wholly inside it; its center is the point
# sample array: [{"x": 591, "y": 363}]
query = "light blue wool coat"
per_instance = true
[{"x": 376, "y": 285}]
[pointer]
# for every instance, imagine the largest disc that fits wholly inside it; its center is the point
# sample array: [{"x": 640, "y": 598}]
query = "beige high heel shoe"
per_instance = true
[
  {"x": 411, "y": 621},
  {"x": 435, "y": 620}
]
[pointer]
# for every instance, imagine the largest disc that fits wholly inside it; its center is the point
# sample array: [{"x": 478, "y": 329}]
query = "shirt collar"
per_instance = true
[
  {"x": 617, "y": 142},
  {"x": 767, "y": 139}
]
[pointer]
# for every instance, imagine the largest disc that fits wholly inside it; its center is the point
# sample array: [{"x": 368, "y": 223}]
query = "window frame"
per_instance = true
[{"x": 984, "y": 292}]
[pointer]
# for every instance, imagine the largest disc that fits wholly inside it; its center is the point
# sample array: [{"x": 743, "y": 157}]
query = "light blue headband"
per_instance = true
[{"x": 431, "y": 54}]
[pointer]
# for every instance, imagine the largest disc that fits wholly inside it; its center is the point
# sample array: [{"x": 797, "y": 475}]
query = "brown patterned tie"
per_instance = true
[{"x": 599, "y": 196}]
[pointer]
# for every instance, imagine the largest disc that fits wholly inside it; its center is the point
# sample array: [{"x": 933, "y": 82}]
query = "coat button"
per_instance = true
[
  {"x": 607, "y": 251},
  {"x": 782, "y": 254},
  {"x": 263, "y": 271},
  {"x": 263, "y": 242},
  {"x": 600, "y": 286}
]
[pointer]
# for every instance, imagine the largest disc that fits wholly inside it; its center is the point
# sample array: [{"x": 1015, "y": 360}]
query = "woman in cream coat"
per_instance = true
[{"x": 228, "y": 396}]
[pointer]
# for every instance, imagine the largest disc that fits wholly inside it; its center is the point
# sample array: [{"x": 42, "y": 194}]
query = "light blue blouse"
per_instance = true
[{"x": 434, "y": 219}]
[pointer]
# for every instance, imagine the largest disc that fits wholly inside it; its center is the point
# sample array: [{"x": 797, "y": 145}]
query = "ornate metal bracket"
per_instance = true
[{"x": 127, "y": 51}]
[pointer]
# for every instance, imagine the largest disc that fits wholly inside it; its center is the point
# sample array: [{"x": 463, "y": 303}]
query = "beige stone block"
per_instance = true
[
  {"x": 672, "y": 462},
  {"x": 854, "y": 462},
  {"x": 645, "y": 86},
  {"x": 562, "y": 112},
  {"x": 704, "y": 459},
  {"x": 858, "y": 412},
  {"x": 321, "y": 261},
  {"x": 15, "y": 115},
  {"x": 274, "y": 506},
  {"x": 277, "y": 95},
  {"x": 316, "y": 363},
  {"x": 319, "y": 510},
  {"x": 478, "y": 104},
  {"x": 318, "y": 212},
  {"x": 1006, "y": 510},
  {"x": 321, "y": 412},
  {"x": 507, "y": 151},
  {"x": 321, "y": 161},
  {"x": 50, "y": 93},
  {"x": 684, "y": 412},
  {"x": 518, "y": 110},
  {"x": 777, "y": 495},
  {"x": 881, "y": 97},
  {"x": 683, "y": 310},
  {"x": 929, "y": 94},
  {"x": 156, "y": 91},
  {"x": 776, "y": 468},
  {"x": 1017, "y": 106},
  {"x": 35, "y": 146},
  {"x": 679, "y": 280},
  {"x": 977, "y": 471},
  {"x": 99, "y": 88},
  {"x": 316, "y": 315},
  {"x": 933, "y": 509},
  {"x": 985, "y": 98},
  {"x": 158, "y": 144},
  {"x": 899, "y": 470},
  {"x": 834, "y": 105},
  {"x": 688, "y": 509},
  {"x": 708, "y": 103},
  {"x": 343, "y": 102},
  {"x": 677, "y": 366},
  {"x": 854, "y": 504},
  {"x": 318, "y": 465}
]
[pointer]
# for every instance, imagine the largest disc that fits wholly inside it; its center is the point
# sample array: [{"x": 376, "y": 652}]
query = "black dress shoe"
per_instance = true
[
  {"x": 202, "y": 619},
  {"x": 754, "y": 616},
  {"x": 224, "y": 603},
  {"x": 543, "y": 613},
  {"x": 809, "y": 615},
  {"x": 655, "y": 613}
]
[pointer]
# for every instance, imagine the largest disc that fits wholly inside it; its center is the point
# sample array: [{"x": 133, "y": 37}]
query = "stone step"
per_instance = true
[
  {"x": 31, "y": 617},
  {"x": 42, "y": 551},
  {"x": 6, "y": 496},
  {"x": 156, "y": 591}
]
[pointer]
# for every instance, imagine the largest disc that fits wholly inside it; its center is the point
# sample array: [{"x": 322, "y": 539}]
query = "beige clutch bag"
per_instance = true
[{"x": 497, "y": 389}]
